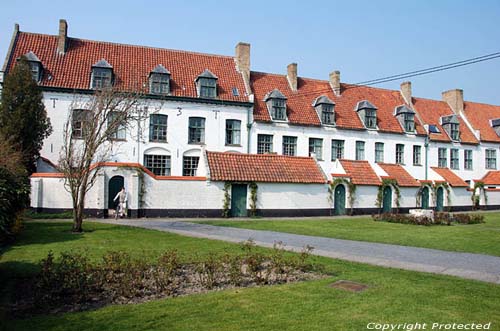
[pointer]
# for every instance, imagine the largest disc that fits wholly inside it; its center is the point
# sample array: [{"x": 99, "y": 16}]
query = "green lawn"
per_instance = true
[
  {"x": 474, "y": 238},
  {"x": 393, "y": 296}
]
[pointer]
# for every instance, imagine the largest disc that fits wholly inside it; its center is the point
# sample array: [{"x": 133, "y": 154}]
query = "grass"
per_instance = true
[
  {"x": 393, "y": 296},
  {"x": 474, "y": 238}
]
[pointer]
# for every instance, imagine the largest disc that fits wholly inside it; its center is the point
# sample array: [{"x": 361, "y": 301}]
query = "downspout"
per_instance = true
[
  {"x": 426, "y": 144},
  {"x": 249, "y": 129}
]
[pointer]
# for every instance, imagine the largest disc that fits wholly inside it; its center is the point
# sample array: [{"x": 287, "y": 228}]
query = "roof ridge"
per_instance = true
[
  {"x": 482, "y": 103},
  {"x": 261, "y": 155}
]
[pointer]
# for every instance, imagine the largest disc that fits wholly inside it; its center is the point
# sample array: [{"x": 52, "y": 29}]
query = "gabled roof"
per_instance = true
[
  {"x": 450, "y": 119},
  {"x": 403, "y": 109},
  {"x": 450, "y": 177},
  {"x": 360, "y": 172},
  {"x": 274, "y": 94},
  {"x": 160, "y": 69},
  {"x": 397, "y": 172},
  {"x": 30, "y": 56},
  {"x": 491, "y": 178},
  {"x": 131, "y": 65},
  {"x": 430, "y": 112},
  {"x": 207, "y": 74},
  {"x": 102, "y": 63},
  {"x": 479, "y": 115},
  {"x": 365, "y": 104},
  {"x": 264, "y": 168},
  {"x": 323, "y": 99}
]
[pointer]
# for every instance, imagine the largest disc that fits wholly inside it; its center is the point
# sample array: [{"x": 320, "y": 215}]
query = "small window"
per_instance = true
[
  {"x": 158, "y": 128},
  {"x": 159, "y": 84},
  {"x": 454, "y": 131},
  {"x": 196, "y": 130},
  {"x": 79, "y": 123},
  {"x": 468, "y": 159},
  {"x": 233, "y": 132},
  {"x": 101, "y": 77},
  {"x": 360, "y": 150},
  {"x": 118, "y": 131},
  {"x": 433, "y": 129},
  {"x": 409, "y": 120},
  {"x": 158, "y": 164},
  {"x": 442, "y": 159},
  {"x": 417, "y": 155},
  {"x": 264, "y": 143},
  {"x": 325, "y": 109},
  {"x": 337, "y": 149},
  {"x": 190, "y": 165},
  {"x": 316, "y": 147},
  {"x": 371, "y": 118},
  {"x": 236, "y": 93},
  {"x": 406, "y": 117},
  {"x": 206, "y": 84},
  {"x": 451, "y": 125},
  {"x": 279, "y": 110},
  {"x": 289, "y": 145},
  {"x": 491, "y": 159},
  {"x": 454, "y": 161},
  {"x": 379, "y": 152},
  {"x": 35, "y": 70},
  {"x": 400, "y": 154}
]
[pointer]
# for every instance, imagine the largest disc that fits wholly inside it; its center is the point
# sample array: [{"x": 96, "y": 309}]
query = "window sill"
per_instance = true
[
  {"x": 195, "y": 143},
  {"x": 329, "y": 125},
  {"x": 233, "y": 145},
  {"x": 417, "y": 165},
  {"x": 116, "y": 139},
  {"x": 158, "y": 141}
]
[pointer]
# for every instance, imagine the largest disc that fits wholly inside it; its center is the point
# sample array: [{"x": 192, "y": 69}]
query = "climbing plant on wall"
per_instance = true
[
  {"x": 351, "y": 189},
  {"x": 227, "y": 200},
  {"x": 253, "y": 199},
  {"x": 446, "y": 187},
  {"x": 476, "y": 198},
  {"x": 388, "y": 182}
]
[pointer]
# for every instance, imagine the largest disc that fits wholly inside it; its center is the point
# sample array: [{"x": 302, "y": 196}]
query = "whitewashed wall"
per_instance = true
[{"x": 291, "y": 196}]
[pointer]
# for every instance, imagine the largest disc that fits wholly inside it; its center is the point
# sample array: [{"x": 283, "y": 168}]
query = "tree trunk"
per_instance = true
[{"x": 78, "y": 212}]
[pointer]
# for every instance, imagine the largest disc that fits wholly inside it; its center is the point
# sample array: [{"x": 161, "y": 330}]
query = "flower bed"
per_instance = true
[{"x": 440, "y": 218}]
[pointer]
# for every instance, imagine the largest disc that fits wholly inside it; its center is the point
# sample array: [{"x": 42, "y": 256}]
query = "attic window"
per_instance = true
[
  {"x": 452, "y": 126},
  {"x": 206, "y": 84},
  {"x": 236, "y": 93},
  {"x": 433, "y": 129},
  {"x": 159, "y": 81},
  {"x": 406, "y": 118},
  {"x": 495, "y": 124},
  {"x": 368, "y": 114},
  {"x": 35, "y": 66},
  {"x": 276, "y": 104},
  {"x": 325, "y": 109},
  {"x": 102, "y": 75}
]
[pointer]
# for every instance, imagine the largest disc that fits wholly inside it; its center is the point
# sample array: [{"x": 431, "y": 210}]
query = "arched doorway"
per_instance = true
[
  {"x": 114, "y": 186},
  {"x": 425, "y": 198},
  {"x": 387, "y": 200},
  {"x": 339, "y": 204},
  {"x": 440, "y": 199}
]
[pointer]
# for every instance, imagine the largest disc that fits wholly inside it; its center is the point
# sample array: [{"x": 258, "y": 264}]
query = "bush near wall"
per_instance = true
[
  {"x": 440, "y": 218},
  {"x": 13, "y": 199}
]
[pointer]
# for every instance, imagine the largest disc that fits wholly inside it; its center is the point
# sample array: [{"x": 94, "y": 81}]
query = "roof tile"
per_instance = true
[
  {"x": 491, "y": 178},
  {"x": 479, "y": 115},
  {"x": 397, "y": 172},
  {"x": 360, "y": 172},
  {"x": 450, "y": 177}
]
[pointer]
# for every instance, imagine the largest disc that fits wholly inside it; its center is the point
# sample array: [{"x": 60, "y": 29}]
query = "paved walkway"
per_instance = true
[{"x": 466, "y": 265}]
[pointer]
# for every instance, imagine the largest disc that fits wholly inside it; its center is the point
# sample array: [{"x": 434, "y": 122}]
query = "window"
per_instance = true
[
  {"x": 400, "y": 153},
  {"x": 158, "y": 164},
  {"x": 468, "y": 159},
  {"x": 316, "y": 147},
  {"x": 417, "y": 155},
  {"x": 289, "y": 145},
  {"x": 35, "y": 70},
  {"x": 190, "y": 164},
  {"x": 442, "y": 160},
  {"x": 279, "y": 110},
  {"x": 451, "y": 125},
  {"x": 454, "y": 132},
  {"x": 409, "y": 122},
  {"x": 327, "y": 116},
  {"x": 117, "y": 132},
  {"x": 208, "y": 87},
  {"x": 264, "y": 143},
  {"x": 379, "y": 152},
  {"x": 454, "y": 162},
  {"x": 101, "y": 78},
  {"x": 371, "y": 118},
  {"x": 158, "y": 127},
  {"x": 491, "y": 159},
  {"x": 360, "y": 150},
  {"x": 196, "y": 130},
  {"x": 233, "y": 132},
  {"x": 79, "y": 124},
  {"x": 159, "y": 83},
  {"x": 337, "y": 149}
]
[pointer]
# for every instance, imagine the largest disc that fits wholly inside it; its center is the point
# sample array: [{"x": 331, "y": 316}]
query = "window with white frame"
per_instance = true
[
  {"x": 190, "y": 165},
  {"x": 442, "y": 158},
  {"x": 371, "y": 118},
  {"x": 417, "y": 155},
  {"x": 491, "y": 159},
  {"x": 158, "y": 164},
  {"x": 400, "y": 154},
  {"x": 379, "y": 152},
  {"x": 233, "y": 132},
  {"x": 289, "y": 145},
  {"x": 158, "y": 127},
  {"x": 278, "y": 111},
  {"x": 337, "y": 149},
  {"x": 159, "y": 83},
  {"x": 468, "y": 159},
  {"x": 264, "y": 143},
  {"x": 196, "y": 130},
  {"x": 454, "y": 159},
  {"x": 360, "y": 150},
  {"x": 316, "y": 147}
]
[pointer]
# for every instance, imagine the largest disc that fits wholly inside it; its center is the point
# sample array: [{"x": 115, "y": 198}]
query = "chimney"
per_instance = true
[
  {"x": 292, "y": 75},
  {"x": 455, "y": 99},
  {"x": 335, "y": 82},
  {"x": 406, "y": 92},
  {"x": 242, "y": 57},
  {"x": 63, "y": 37}
]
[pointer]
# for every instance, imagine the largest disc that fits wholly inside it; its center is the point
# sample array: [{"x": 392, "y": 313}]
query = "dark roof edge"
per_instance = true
[{"x": 11, "y": 48}]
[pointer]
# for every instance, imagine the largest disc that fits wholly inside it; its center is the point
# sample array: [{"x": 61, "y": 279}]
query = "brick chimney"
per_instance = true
[
  {"x": 335, "y": 82},
  {"x": 62, "y": 41},
  {"x": 406, "y": 92},
  {"x": 242, "y": 57},
  {"x": 455, "y": 99},
  {"x": 291, "y": 74}
]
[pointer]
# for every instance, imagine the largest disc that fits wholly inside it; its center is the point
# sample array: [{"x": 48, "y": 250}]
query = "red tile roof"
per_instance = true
[
  {"x": 131, "y": 65},
  {"x": 450, "y": 177},
  {"x": 479, "y": 115},
  {"x": 263, "y": 168},
  {"x": 299, "y": 103},
  {"x": 397, "y": 172},
  {"x": 491, "y": 178},
  {"x": 361, "y": 172},
  {"x": 430, "y": 112}
]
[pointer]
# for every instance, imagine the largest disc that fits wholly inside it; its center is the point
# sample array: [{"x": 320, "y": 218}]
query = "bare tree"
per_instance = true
[{"x": 90, "y": 132}]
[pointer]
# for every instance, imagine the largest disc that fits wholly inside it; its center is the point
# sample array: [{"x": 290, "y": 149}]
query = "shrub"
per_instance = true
[
  {"x": 468, "y": 218},
  {"x": 440, "y": 218},
  {"x": 209, "y": 271}
]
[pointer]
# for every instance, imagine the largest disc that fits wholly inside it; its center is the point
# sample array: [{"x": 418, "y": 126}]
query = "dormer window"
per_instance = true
[
  {"x": 102, "y": 75},
  {"x": 159, "y": 81},
  {"x": 206, "y": 84},
  {"x": 325, "y": 109},
  {"x": 495, "y": 124},
  {"x": 452, "y": 126},
  {"x": 276, "y": 104},
  {"x": 406, "y": 118},
  {"x": 368, "y": 114},
  {"x": 35, "y": 66}
]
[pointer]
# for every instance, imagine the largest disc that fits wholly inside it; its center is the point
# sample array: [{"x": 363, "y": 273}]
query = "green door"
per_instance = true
[
  {"x": 425, "y": 198},
  {"x": 439, "y": 199},
  {"x": 239, "y": 200},
  {"x": 339, "y": 200},
  {"x": 115, "y": 185},
  {"x": 387, "y": 200}
]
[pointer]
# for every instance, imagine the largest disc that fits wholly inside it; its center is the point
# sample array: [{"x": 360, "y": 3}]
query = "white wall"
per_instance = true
[{"x": 291, "y": 196}]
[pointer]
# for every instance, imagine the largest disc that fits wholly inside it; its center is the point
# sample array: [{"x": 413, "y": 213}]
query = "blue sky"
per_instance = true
[{"x": 363, "y": 39}]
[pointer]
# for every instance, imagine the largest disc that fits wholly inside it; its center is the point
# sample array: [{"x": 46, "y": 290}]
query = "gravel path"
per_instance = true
[{"x": 466, "y": 265}]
